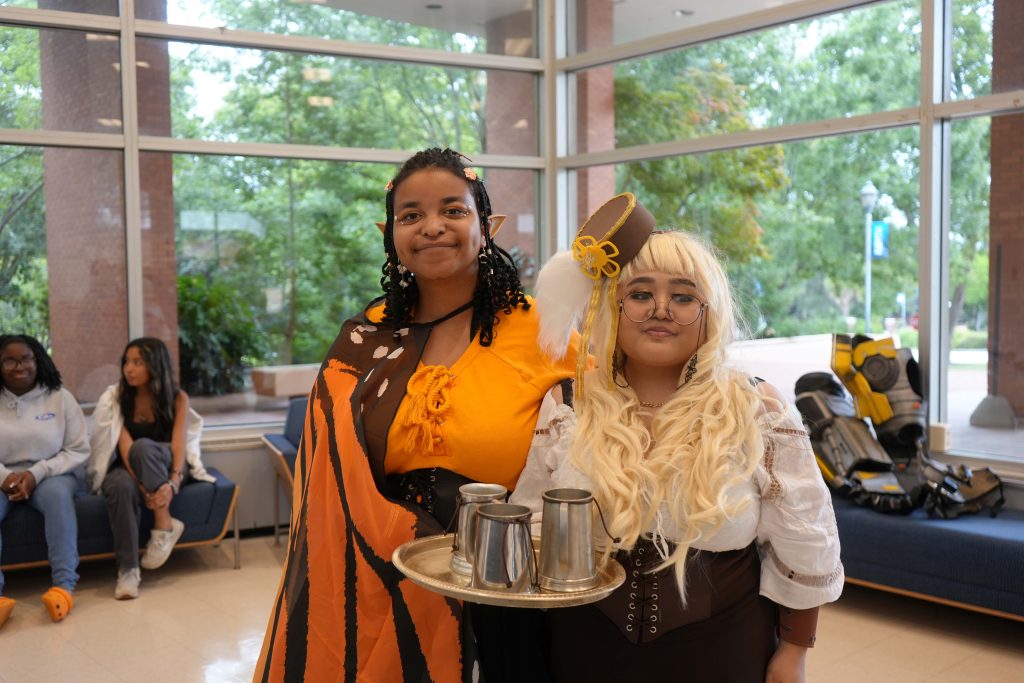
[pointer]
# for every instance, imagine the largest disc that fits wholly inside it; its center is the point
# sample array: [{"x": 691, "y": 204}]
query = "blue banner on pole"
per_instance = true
[{"x": 879, "y": 239}]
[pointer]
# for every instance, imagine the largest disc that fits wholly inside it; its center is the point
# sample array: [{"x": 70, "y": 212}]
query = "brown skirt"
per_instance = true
[{"x": 733, "y": 644}]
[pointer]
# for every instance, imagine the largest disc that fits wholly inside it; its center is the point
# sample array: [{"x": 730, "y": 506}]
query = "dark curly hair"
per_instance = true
[
  {"x": 46, "y": 372},
  {"x": 497, "y": 282},
  {"x": 161, "y": 381}
]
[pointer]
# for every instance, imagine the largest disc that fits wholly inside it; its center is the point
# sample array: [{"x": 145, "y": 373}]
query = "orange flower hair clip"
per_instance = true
[
  {"x": 390, "y": 185},
  {"x": 469, "y": 173}
]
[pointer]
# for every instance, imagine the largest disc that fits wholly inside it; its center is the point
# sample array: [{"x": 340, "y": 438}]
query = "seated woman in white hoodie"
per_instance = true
[
  {"x": 44, "y": 438},
  {"x": 144, "y": 432}
]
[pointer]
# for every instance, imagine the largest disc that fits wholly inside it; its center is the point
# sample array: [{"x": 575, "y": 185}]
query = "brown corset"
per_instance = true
[{"x": 648, "y": 605}]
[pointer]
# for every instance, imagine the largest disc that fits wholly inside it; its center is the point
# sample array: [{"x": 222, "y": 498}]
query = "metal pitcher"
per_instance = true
[
  {"x": 471, "y": 497},
  {"x": 503, "y": 553},
  {"x": 567, "y": 561}
]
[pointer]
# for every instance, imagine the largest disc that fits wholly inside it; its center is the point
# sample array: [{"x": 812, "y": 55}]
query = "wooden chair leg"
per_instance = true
[
  {"x": 277, "y": 509},
  {"x": 238, "y": 541}
]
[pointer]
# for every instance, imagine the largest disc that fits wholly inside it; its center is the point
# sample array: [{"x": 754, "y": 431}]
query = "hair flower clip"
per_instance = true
[
  {"x": 390, "y": 185},
  {"x": 469, "y": 173}
]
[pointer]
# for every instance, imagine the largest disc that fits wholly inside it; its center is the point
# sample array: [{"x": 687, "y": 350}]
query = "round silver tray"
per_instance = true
[{"x": 425, "y": 561}]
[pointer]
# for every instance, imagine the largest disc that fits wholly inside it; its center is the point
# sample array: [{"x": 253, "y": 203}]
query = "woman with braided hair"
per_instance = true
[{"x": 436, "y": 384}]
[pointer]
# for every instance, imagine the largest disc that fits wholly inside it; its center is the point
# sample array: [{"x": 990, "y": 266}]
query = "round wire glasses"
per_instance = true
[{"x": 640, "y": 307}]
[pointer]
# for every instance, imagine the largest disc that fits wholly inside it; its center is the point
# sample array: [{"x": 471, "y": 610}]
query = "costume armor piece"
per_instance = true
[
  {"x": 848, "y": 455},
  {"x": 886, "y": 387}
]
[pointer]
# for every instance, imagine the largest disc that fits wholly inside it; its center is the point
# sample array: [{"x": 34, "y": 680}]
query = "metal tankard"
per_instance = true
[
  {"x": 503, "y": 554},
  {"x": 567, "y": 561},
  {"x": 471, "y": 497}
]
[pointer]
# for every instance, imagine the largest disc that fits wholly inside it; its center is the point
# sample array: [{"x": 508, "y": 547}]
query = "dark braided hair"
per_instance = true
[
  {"x": 497, "y": 282},
  {"x": 47, "y": 374}
]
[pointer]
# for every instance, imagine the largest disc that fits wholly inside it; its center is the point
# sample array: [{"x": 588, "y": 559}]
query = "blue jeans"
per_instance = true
[{"x": 54, "y": 498}]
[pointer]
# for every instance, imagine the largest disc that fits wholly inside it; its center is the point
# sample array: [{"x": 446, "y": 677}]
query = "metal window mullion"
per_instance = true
[
  {"x": 60, "y": 138},
  {"x": 556, "y": 130},
  {"x": 153, "y": 143},
  {"x": 749, "y": 138},
  {"x": 935, "y": 177},
  {"x": 132, "y": 181},
  {"x": 984, "y": 105},
  {"x": 336, "y": 48},
  {"x": 746, "y": 23},
  {"x": 47, "y": 18}
]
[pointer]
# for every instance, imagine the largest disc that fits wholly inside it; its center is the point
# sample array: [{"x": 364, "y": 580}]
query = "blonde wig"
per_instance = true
[{"x": 703, "y": 442}]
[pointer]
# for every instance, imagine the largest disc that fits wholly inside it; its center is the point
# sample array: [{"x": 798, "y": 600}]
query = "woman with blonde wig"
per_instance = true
[{"x": 704, "y": 474}]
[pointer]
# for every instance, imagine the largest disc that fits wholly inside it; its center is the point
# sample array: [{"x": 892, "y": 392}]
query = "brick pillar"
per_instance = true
[
  {"x": 85, "y": 241},
  {"x": 1006, "y": 215},
  {"x": 159, "y": 255},
  {"x": 510, "y": 127},
  {"x": 85, "y": 248},
  {"x": 595, "y": 105}
]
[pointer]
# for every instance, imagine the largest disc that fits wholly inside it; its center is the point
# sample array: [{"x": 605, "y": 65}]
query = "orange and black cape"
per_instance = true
[{"x": 343, "y": 612}]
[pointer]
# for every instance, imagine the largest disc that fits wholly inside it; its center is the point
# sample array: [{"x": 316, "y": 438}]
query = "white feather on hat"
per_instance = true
[{"x": 562, "y": 293}]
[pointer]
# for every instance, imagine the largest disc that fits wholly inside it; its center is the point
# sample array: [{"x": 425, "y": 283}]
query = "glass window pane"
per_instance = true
[
  {"x": 105, "y": 7},
  {"x": 268, "y": 257},
  {"x": 223, "y": 93},
  {"x": 506, "y": 27},
  {"x": 985, "y": 383},
  {"x": 801, "y": 72},
  {"x": 789, "y": 224},
  {"x": 61, "y": 80},
  {"x": 62, "y": 259},
  {"x": 986, "y": 47}
]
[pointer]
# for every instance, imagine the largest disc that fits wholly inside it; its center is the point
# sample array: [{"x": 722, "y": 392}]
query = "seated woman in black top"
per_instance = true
[{"x": 144, "y": 431}]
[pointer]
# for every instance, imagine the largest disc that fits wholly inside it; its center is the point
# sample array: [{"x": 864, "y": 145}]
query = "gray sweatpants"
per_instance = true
[{"x": 151, "y": 462}]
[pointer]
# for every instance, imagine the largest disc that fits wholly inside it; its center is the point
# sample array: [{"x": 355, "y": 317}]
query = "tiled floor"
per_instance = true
[{"x": 198, "y": 619}]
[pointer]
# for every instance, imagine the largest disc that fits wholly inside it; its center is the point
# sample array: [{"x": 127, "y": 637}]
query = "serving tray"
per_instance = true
[{"x": 425, "y": 561}]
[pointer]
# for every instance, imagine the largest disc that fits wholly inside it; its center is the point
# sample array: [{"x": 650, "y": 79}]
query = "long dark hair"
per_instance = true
[
  {"x": 497, "y": 282},
  {"x": 46, "y": 372},
  {"x": 161, "y": 381}
]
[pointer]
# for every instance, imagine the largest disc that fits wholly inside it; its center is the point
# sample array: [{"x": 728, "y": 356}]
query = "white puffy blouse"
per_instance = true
[{"x": 790, "y": 515}]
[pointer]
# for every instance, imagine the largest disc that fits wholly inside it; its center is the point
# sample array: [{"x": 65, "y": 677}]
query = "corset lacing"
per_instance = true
[{"x": 642, "y": 608}]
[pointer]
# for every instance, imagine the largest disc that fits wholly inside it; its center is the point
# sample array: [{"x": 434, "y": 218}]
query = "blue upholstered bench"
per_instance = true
[
  {"x": 975, "y": 561},
  {"x": 206, "y": 509}
]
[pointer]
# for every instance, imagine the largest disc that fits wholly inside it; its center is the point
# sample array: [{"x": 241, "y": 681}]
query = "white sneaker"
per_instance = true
[
  {"x": 160, "y": 545},
  {"x": 127, "y": 584}
]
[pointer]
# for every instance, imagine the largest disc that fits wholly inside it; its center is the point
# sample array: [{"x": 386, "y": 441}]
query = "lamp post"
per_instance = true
[{"x": 868, "y": 197}]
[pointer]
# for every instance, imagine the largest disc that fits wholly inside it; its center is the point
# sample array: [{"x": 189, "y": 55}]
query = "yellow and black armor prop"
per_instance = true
[
  {"x": 852, "y": 461},
  {"x": 884, "y": 387},
  {"x": 949, "y": 492},
  {"x": 885, "y": 383}
]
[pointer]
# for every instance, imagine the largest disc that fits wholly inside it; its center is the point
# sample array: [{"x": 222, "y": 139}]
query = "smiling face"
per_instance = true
[
  {"x": 19, "y": 368},
  {"x": 136, "y": 372},
  {"x": 437, "y": 228},
  {"x": 660, "y": 341}
]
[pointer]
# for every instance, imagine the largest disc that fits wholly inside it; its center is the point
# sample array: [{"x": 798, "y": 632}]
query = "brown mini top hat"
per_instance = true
[{"x": 570, "y": 284}]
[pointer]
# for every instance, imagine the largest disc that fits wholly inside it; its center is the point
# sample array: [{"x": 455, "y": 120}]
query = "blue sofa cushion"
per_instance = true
[
  {"x": 202, "y": 506},
  {"x": 975, "y": 559}
]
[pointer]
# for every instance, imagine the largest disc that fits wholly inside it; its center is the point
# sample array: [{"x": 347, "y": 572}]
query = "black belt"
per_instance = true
[{"x": 434, "y": 489}]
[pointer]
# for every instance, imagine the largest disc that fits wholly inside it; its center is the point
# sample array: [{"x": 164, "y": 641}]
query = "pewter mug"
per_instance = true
[
  {"x": 503, "y": 554},
  {"x": 566, "y": 542},
  {"x": 471, "y": 497}
]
